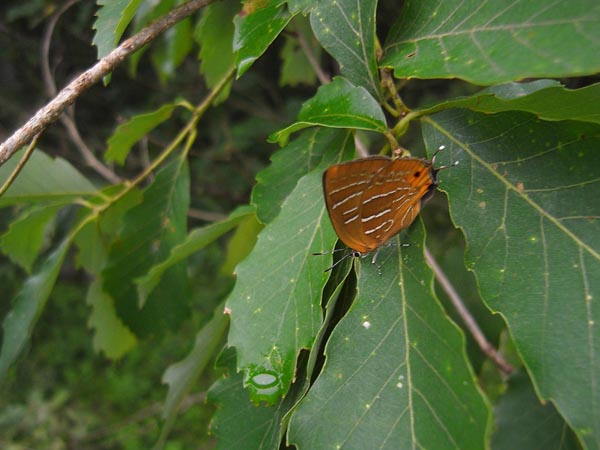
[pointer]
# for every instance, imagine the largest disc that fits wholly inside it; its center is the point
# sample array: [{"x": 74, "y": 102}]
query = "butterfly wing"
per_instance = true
[
  {"x": 344, "y": 186},
  {"x": 393, "y": 198}
]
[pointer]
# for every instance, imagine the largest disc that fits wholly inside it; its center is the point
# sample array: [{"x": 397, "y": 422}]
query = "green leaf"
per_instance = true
[
  {"x": 338, "y": 104},
  {"x": 346, "y": 29},
  {"x": 260, "y": 427},
  {"x": 147, "y": 12},
  {"x": 179, "y": 39},
  {"x": 24, "y": 239},
  {"x": 151, "y": 229},
  {"x": 130, "y": 132},
  {"x": 241, "y": 243},
  {"x": 547, "y": 99},
  {"x": 264, "y": 427},
  {"x": 288, "y": 165},
  {"x": 111, "y": 336},
  {"x": 494, "y": 42},
  {"x": 196, "y": 240},
  {"x": 340, "y": 286},
  {"x": 113, "y": 17},
  {"x": 43, "y": 179},
  {"x": 275, "y": 310},
  {"x": 296, "y": 68},
  {"x": 181, "y": 375},
  {"x": 395, "y": 366},
  {"x": 28, "y": 306},
  {"x": 214, "y": 35},
  {"x": 176, "y": 44},
  {"x": 448, "y": 250},
  {"x": 256, "y": 27},
  {"x": 303, "y": 6},
  {"x": 525, "y": 195},
  {"x": 94, "y": 238},
  {"x": 523, "y": 422}
]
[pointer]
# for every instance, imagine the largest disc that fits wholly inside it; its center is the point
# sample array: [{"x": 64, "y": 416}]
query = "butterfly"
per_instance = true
[{"x": 372, "y": 199}]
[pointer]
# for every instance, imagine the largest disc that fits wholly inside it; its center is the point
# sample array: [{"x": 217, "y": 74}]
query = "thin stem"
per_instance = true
[
  {"x": 402, "y": 125},
  {"x": 89, "y": 157},
  {"x": 486, "y": 347},
  {"x": 53, "y": 110},
  {"x": 321, "y": 75},
  {"x": 389, "y": 109},
  {"x": 45, "y": 50},
  {"x": 360, "y": 147},
  {"x": 391, "y": 139},
  {"x": 388, "y": 83},
  {"x": 68, "y": 120},
  {"x": 20, "y": 166},
  {"x": 189, "y": 129}
]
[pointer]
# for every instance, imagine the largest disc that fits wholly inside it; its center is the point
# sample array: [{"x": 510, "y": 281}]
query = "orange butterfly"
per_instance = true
[{"x": 370, "y": 200}]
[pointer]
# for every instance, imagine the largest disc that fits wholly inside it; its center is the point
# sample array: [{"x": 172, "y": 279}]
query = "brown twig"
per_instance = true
[
  {"x": 68, "y": 120},
  {"x": 486, "y": 347},
  {"x": 45, "y": 50},
  {"x": 53, "y": 110},
  {"x": 89, "y": 157},
  {"x": 362, "y": 151},
  {"x": 321, "y": 75}
]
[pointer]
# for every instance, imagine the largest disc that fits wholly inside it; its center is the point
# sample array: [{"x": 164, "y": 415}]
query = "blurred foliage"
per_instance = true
[{"x": 62, "y": 393}]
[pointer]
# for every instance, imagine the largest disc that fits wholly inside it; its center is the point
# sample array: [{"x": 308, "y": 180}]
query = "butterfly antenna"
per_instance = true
[
  {"x": 455, "y": 163},
  {"x": 440, "y": 148},
  {"x": 351, "y": 253},
  {"x": 327, "y": 253}
]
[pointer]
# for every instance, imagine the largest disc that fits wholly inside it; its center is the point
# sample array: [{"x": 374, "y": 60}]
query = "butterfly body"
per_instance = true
[{"x": 372, "y": 199}]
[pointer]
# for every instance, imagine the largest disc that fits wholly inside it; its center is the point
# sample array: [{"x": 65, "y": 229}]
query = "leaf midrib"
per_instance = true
[
  {"x": 505, "y": 27},
  {"x": 555, "y": 221}
]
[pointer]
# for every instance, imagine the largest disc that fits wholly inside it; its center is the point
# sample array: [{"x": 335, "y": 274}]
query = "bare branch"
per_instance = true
[
  {"x": 52, "y": 111},
  {"x": 68, "y": 119},
  {"x": 45, "y": 51},
  {"x": 362, "y": 151},
  {"x": 486, "y": 347},
  {"x": 321, "y": 75}
]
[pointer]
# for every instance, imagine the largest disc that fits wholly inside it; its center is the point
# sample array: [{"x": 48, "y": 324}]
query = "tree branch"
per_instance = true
[
  {"x": 485, "y": 345},
  {"x": 53, "y": 110},
  {"x": 321, "y": 75},
  {"x": 68, "y": 119}
]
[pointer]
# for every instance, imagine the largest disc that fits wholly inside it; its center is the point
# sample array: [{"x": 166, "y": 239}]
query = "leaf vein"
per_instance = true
[
  {"x": 590, "y": 331},
  {"x": 497, "y": 28},
  {"x": 514, "y": 188},
  {"x": 436, "y": 417}
]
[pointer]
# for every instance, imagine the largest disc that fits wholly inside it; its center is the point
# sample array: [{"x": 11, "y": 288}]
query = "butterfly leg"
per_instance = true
[{"x": 374, "y": 259}]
